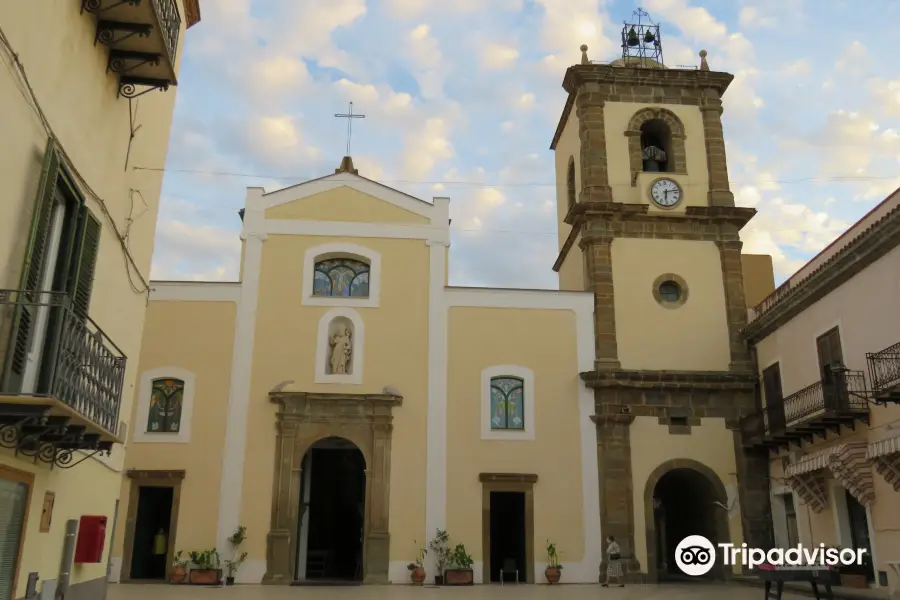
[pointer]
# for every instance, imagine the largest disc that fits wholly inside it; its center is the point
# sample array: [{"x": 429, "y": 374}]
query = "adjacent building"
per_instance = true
[
  {"x": 81, "y": 101},
  {"x": 343, "y": 403},
  {"x": 827, "y": 345}
]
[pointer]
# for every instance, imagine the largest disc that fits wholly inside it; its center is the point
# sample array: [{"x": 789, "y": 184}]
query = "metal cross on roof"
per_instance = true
[{"x": 350, "y": 116}]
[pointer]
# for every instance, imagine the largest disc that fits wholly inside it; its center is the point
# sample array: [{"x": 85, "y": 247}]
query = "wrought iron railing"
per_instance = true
[
  {"x": 844, "y": 394},
  {"x": 169, "y": 24},
  {"x": 74, "y": 361},
  {"x": 884, "y": 368}
]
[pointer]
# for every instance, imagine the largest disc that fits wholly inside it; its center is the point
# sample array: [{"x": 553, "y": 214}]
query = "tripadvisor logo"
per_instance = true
[{"x": 696, "y": 555}]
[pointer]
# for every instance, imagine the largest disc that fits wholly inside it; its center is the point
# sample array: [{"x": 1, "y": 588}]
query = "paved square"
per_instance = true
[{"x": 478, "y": 592}]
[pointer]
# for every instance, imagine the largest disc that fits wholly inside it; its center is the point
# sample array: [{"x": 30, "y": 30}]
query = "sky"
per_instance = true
[{"x": 462, "y": 99}]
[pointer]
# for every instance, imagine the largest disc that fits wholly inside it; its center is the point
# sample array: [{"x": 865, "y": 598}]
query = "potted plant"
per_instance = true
[
  {"x": 205, "y": 569},
  {"x": 179, "y": 568},
  {"x": 440, "y": 548},
  {"x": 233, "y": 564},
  {"x": 554, "y": 570},
  {"x": 417, "y": 568},
  {"x": 461, "y": 571}
]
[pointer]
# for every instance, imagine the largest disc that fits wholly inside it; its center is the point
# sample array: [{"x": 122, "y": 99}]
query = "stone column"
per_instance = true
[
  {"x": 735, "y": 303},
  {"x": 378, "y": 477},
  {"x": 279, "y": 541},
  {"x": 753, "y": 494},
  {"x": 719, "y": 190},
  {"x": 592, "y": 133},
  {"x": 616, "y": 493},
  {"x": 599, "y": 268}
]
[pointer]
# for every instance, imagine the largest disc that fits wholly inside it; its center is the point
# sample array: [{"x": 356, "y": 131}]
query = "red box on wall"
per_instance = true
[{"x": 91, "y": 537}]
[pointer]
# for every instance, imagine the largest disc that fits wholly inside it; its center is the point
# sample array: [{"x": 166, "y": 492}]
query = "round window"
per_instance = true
[{"x": 669, "y": 291}]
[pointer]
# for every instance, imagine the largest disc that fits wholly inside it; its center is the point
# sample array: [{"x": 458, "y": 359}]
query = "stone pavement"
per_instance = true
[{"x": 406, "y": 592}]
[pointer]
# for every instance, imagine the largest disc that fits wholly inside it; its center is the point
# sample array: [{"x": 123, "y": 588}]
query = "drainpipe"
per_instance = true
[{"x": 68, "y": 557}]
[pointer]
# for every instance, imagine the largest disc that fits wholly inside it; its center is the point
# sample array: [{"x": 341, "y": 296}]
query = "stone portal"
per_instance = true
[{"x": 304, "y": 419}]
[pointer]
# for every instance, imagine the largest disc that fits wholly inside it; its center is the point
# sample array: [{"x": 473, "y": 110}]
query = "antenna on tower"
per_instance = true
[{"x": 641, "y": 41}]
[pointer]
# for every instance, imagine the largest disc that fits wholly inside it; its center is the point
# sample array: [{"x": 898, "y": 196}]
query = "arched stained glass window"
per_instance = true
[
  {"x": 507, "y": 403},
  {"x": 165, "y": 406},
  {"x": 341, "y": 277}
]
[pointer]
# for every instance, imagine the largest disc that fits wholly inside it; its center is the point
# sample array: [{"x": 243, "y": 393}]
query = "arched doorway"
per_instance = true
[
  {"x": 333, "y": 500},
  {"x": 682, "y": 498}
]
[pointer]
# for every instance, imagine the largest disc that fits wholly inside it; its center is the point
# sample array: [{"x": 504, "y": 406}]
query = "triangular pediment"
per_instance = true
[{"x": 349, "y": 198}]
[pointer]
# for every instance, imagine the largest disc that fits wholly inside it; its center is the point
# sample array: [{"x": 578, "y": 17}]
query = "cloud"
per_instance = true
[
  {"x": 568, "y": 24},
  {"x": 796, "y": 68},
  {"x": 853, "y": 58},
  {"x": 197, "y": 253},
  {"x": 499, "y": 56},
  {"x": 752, "y": 16},
  {"x": 886, "y": 94},
  {"x": 427, "y": 148}
]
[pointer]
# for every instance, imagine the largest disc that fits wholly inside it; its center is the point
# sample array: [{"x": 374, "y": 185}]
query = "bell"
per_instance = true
[
  {"x": 651, "y": 166},
  {"x": 633, "y": 38},
  {"x": 649, "y": 38}
]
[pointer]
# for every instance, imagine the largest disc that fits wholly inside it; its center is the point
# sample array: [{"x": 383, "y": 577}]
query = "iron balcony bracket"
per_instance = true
[
  {"x": 129, "y": 86},
  {"x": 96, "y": 6},
  {"x": 110, "y": 33}
]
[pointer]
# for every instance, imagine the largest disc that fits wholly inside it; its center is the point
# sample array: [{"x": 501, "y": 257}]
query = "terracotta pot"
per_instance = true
[
  {"x": 552, "y": 574},
  {"x": 179, "y": 574},
  {"x": 229, "y": 581},
  {"x": 206, "y": 576},
  {"x": 417, "y": 575},
  {"x": 459, "y": 577},
  {"x": 438, "y": 580}
]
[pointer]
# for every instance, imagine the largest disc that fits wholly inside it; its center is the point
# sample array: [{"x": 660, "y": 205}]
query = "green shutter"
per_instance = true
[
  {"x": 86, "y": 247},
  {"x": 13, "y": 504},
  {"x": 35, "y": 258}
]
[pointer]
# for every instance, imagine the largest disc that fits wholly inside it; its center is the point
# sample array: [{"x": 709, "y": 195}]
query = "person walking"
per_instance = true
[{"x": 613, "y": 562}]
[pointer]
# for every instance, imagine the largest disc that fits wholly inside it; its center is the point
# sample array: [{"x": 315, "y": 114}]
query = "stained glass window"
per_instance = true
[
  {"x": 507, "y": 400},
  {"x": 165, "y": 406},
  {"x": 341, "y": 277}
]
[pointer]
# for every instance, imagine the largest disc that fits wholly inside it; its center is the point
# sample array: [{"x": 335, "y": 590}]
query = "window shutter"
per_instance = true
[
  {"x": 35, "y": 258},
  {"x": 13, "y": 498},
  {"x": 85, "y": 260}
]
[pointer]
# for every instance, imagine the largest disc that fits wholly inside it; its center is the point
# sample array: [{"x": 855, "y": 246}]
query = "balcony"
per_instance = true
[
  {"x": 142, "y": 37},
  {"x": 809, "y": 412},
  {"x": 61, "y": 388},
  {"x": 884, "y": 374}
]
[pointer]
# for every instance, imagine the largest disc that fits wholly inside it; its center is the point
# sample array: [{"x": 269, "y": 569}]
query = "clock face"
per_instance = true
[{"x": 665, "y": 192}]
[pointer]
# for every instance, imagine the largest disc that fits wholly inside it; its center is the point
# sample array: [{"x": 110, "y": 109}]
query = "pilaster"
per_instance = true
[
  {"x": 716, "y": 163},
  {"x": 592, "y": 133},
  {"x": 599, "y": 268},
  {"x": 735, "y": 303}
]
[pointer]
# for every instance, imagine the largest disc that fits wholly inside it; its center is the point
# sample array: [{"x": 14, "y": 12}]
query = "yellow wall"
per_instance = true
[
  {"x": 711, "y": 444},
  {"x": 285, "y": 349},
  {"x": 345, "y": 204},
  {"x": 484, "y": 337},
  {"x": 197, "y": 337},
  {"x": 75, "y": 497},
  {"x": 571, "y": 275},
  {"x": 759, "y": 277},
  {"x": 695, "y": 184},
  {"x": 692, "y": 337},
  {"x": 56, "y": 43}
]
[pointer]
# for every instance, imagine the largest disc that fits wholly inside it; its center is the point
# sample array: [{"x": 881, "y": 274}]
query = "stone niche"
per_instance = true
[{"x": 340, "y": 351}]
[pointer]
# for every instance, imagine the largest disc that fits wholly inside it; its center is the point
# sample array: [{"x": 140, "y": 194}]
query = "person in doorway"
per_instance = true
[{"x": 613, "y": 563}]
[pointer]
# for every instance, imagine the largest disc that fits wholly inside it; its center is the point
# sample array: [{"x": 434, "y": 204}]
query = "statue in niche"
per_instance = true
[{"x": 341, "y": 350}]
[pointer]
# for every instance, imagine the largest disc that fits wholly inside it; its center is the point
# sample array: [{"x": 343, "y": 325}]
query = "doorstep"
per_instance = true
[{"x": 803, "y": 588}]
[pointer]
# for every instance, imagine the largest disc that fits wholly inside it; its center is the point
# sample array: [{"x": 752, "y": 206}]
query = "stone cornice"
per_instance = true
[
  {"x": 577, "y": 75},
  {"x": 873, "y": 243},
  {"x": 567, "y": 245},
  {"x": 285, "y": 398},
  {"x": 680, "y": 380},
  {"x": 507, "y": 478}
]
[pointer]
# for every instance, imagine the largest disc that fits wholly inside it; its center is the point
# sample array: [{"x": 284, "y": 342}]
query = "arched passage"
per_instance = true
[
  {"x": 680, "y": 500},
  {"x": 332, "y": 508}
]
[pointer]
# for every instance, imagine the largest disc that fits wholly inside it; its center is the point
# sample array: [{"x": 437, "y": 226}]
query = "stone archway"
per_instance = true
[
  {"x": 302, "y": 420},
  {"x": 718, "y": 520}
]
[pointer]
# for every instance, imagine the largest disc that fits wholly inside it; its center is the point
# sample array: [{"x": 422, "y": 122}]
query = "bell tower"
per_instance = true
[{"x": 647, "y": 222}]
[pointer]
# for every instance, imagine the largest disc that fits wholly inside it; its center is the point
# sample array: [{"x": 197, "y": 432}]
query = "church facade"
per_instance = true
[{"x": 343, "y": 403}]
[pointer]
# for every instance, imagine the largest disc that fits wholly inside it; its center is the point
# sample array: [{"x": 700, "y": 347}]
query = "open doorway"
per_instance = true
[
  {"x": 149, "y": 554},
  {"x": 507, "y": 542},
  {"x": 859, "y": 533},
  {"x": 684, "y": 504},
  {"x": 331, "y": 547}
]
